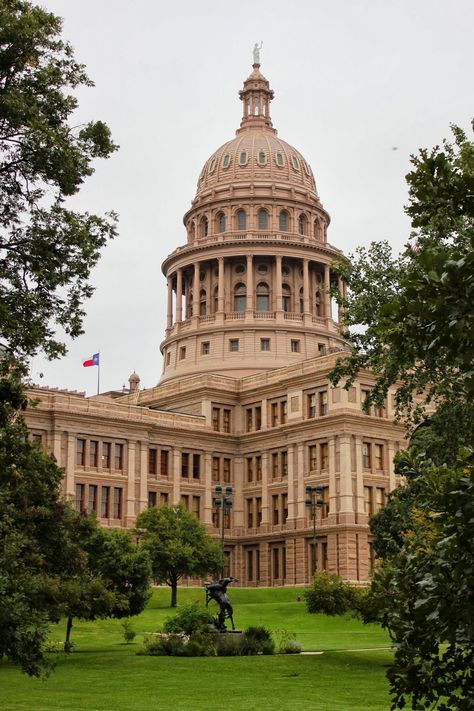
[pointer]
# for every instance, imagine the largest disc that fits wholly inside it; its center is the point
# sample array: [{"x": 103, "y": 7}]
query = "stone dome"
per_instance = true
[{"x": 256, "y": 154}]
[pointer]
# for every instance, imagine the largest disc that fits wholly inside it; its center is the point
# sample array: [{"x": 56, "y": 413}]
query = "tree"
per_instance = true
[
  {"x": 46, "y": 250},
  {"x": 415, "y": 316},
  {"x": 178, "y": 545},
  {"x": 46, "y": 254}
]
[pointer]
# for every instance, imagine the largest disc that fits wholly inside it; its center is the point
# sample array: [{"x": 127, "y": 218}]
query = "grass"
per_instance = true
[{"x": 105, "y": 674}]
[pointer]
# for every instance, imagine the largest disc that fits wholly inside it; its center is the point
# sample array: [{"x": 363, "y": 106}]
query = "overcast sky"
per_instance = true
[{"x": 353, "y": 80}]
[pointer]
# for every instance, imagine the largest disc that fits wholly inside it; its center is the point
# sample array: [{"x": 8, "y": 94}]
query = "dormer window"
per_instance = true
[
  {"x": 212, "y": 165},
  {"x": 226, "y": 161},
  {"x": 243, "y": 158},
  {"x": 279, "y": 159},
  {"x": 262, "y": 159},
  {"x": 296, "y": 163}
]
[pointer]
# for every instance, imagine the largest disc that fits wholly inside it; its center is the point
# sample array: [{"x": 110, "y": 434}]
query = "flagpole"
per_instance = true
[{"x": 98, "y": 375}]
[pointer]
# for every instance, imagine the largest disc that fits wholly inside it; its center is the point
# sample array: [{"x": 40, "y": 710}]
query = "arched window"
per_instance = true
[
  {"x": 302, "y": 224},
  {"x": 204, "y": 227},
  {"x": 262, "y": 218},
  {"x": 318, "y": 230},
  {"x": 283, "y": 221},
  {"x": 202, "y": 302},
  {"x": 301, "y": 301},
  {"x": 240, "y": 297},
  {"x": 317, "y": 303},
  {"x": 286, "y": 297},
  {"x": 241, "y": 220},
  {"x": 221, "y": 222},
  {"x": 263, "y": 297}
]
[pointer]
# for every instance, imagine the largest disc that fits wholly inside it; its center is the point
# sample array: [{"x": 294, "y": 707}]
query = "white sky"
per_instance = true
[{"x": 352, "y": 79}]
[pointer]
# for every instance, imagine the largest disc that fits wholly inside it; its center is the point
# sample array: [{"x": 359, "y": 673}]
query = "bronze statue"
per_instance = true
[{"x": 217, "y": 591}]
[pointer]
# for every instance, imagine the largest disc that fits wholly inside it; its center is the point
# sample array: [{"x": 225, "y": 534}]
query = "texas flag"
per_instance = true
[{"x": 91, "y": 361}]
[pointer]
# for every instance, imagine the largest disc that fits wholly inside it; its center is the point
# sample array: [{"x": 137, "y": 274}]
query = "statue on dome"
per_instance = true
[{"x": 256, "y": 52}]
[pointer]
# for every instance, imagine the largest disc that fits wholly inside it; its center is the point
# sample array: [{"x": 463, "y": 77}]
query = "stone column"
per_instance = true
[
  {"x": 327, "y": 295},
  {"x": 265, "y": 496},
  {"x": 278, "y": 283},
  {"x": 179, "y": 295},
  {"x": 208, "y": 488},
  {"x": 361, "y": 515},
  {"x": 169, "y": 316},
  {"x": 346, "y": 510},
  {"x": 220, "y": 293},
  {"x": 70, "y": 489},
  {"x": 176, "y": 492},
  {"x": 143, "y": 503},
  {"x": 291, "y": 484},
  {"x": 250, "y": 286},
  {"x": 340, "y": 311},
  {"x": 196, "y": 290},
  {"x": 130, "y": 514},
  {"x": 306, "y": 295},
  {"x": 238, "y": 486},
  {"x": 300, "y": 496},
  {"x": 332, "y": 518}
]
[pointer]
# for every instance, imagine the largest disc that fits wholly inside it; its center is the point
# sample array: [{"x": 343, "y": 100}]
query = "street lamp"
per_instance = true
[
  {"x": 314, "y": 502},
  {"x": 223, "y": 502}
]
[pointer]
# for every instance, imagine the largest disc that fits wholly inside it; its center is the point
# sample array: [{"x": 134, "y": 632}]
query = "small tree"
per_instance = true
[{"x": 178, "y": 545}]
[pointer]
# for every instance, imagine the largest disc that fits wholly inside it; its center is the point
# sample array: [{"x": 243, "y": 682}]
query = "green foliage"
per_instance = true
[
  {"x": 286, "y": 642},
  {"x": 257, "y": 640},
  {"x": 328, "y": 593},
  {"x": 229, "y": 645},
  {"x": 410, "y": 319},
  {"x": 188, "y": 619},
  {"x": 129, "y": 633},
  {"x": 47, "y": 251},
  {"x": 178, "y": 545},
  {"x": 174, "y": 644}
]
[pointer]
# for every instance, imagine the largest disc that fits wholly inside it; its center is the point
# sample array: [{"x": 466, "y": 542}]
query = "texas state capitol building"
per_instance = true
[{"x": 244, "y": 398}]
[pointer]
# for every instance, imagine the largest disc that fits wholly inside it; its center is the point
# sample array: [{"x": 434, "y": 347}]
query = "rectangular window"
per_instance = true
[
  {"x": 284, "y": 507},
  {"x": 226, "y": 420},
  {"x": 106, "y": 449},
  {"x": 164, "y": 462},
  {"x": 364, "y": 394},
  {"x": 168, "y": 358},
  {"x": 324, "y": 451},
  {"x": 295, "y": 346},
  {"x": 325, "y": 499},
  {"x": 93, "y": 453},
  {"x": 258, "y": 511},
  {"x": 215, "y": 468},
  {"x": 283, "y": 411},
  {"x": 119, "y": 456},
  {"x": 311, "y": 400},
  {"x": 80, "y": 452},
  {"x": 249, "y": 507},
  {"x": 185, "y": 501},
  {"x": 234, "y": 345},
  {"x": 275, "y": 509},
  {"x": 323, "y": 402},
  {"x": 105, "y": 502},
  {"x": 227, "y": 518},
  {"x": 37, "y": 439},
  {"x": 366, "y": 455},
  {"x": 321, "y": 349},
  {"x": 197, "y": 506},
  {"x": 379, "y": 498},
  {"x": 216, "y": 419},
  {"x": 80, "y": 497},
  {"x": 182, "y": 353},
  {"x": 284, "y": 463},
  {"x": 264, "y": 344},
  {"x": 250, "y": 566},
  {"x": 151, "y": 499},
  {"x": 274, "y": 414},
  {"x": 226, "y": 470},
  {"x": 368, "y": 500},
  {"x": 275, "y": 467},
  {"x": 92, "y": 503},
  {"x": 185, "y": 465},
  {"x": 117, "y": 502},
  {"x": 196, "y": 466},
  {"x": 163, "y": 499},
  {"x": 205, "y": 348},
  {"x": 152, "y": 458},
  {"x": 258, "y": 418},
  {"x": 258, "y": 467},
  {"x": 378, "y": 456},
  {"x": 249, "y": 469},
  {"x": 276, "y": 563},
  {"x": 248, "y": 419},
  {"x": 313, "y": 457}
]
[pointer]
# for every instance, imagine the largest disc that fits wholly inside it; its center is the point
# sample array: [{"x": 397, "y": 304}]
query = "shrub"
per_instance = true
[
  {"x": 188, "y": 619},
  {"x": 201, "y": 645},
  {"x": 257, "y": 640},
  {"x": 286, "y": 642},
  {"x": 129, "y": 634},
  {"x": 229, "y": 645},
  {"x": 329, "y": 594},
  {"x": 159, "y": 645},
  {"x": 367, "y": 606}
]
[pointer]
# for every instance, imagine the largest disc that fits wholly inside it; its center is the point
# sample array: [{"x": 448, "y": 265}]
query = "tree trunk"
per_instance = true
[
  {"x": 174, "y": 592},
  {"x": 68, "y": 634}
]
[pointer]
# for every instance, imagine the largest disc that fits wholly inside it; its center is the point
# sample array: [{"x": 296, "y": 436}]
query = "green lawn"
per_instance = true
[{"x": 105, "y": 674}]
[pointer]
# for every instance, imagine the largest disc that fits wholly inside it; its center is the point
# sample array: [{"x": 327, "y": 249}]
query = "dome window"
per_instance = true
[
  {"x": 306, "y": 168},
  {"x": 221, "y": 222},
  {"x": 241, "y": 220},
  {"x": 240, "y": 269},
  {"x": 240, "y": 297},
  {"x": 296, "y": 163},
  {"x": 302, "y": 224},
  {"x": 283, "y": 221},
  {"x": 262, "y": 219},
  {"x": 226, "y": 161},
  {"x": 212, "y": 165},
  {"x": 243, "y": 158},
  {"x": 286, "y": 298},
  {"x": 263, "y": 297},
  {"x": 279, "y": 159},
  {"x": 262, "y": 268},
  {"x": 262, "y": 158}
]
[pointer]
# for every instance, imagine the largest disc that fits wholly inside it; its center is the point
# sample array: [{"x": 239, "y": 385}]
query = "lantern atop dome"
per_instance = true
[{"x": 256, "y": 97}]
